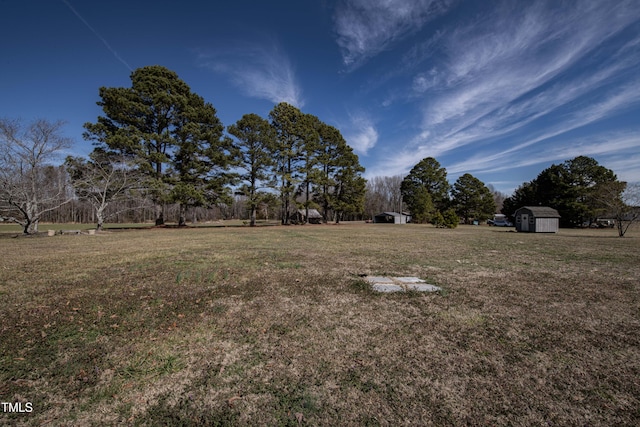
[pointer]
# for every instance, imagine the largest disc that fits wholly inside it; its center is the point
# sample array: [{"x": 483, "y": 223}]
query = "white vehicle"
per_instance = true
[{"x": 500, "y": 220}]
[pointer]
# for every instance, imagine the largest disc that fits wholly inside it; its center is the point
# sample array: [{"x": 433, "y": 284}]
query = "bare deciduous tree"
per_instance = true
[
  {"x": 26, "y": 150},
  {"x": 383, "y": 194},
  {"x": 498, "y": 197},
  {"x": 103, "y": 180},
  {"x": 631, "y": 198},
  {"x": 620, "y": 201}
]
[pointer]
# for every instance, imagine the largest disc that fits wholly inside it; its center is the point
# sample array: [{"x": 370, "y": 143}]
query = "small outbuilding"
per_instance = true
[
  {"x": 392, "y": 218},
  {"x": 314, "y": 216},
  {"x": 537, "y": 219}
]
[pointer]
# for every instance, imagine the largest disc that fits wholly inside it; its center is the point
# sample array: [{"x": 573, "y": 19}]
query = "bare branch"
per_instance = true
[{"x": 26, "y": 190}]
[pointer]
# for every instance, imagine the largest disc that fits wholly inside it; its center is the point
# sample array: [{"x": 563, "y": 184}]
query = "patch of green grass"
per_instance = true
[
  {"x": 292, "y": 399},
  {"x": 290, "y": 264},
  {"x": 361, "y": 286},
  {"x": 187, "y": 413},
  {"x": 150, "y": 365}
]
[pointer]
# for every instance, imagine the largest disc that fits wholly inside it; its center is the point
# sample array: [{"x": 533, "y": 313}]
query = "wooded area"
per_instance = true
[
  {"x": 161, "y": 151},
  {"x": 161, "y": 154}
]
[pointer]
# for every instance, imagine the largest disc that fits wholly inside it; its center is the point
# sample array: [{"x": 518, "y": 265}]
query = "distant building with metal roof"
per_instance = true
[{"x": 392, "y": 218}]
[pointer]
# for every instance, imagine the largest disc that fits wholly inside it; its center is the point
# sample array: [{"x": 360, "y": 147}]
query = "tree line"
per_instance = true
[
  {"x": 159, "y": 142},
  {"x": 582, "y": 191},
  {"x": 431, "y": 199},
  {"x": 161, "y": 149}
]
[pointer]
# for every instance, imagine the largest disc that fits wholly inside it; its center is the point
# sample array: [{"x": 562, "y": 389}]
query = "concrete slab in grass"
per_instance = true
[
  {"x": 423, "y": 287},
  {"x": 378, "y": 279},
  {"x": 400, "y": 284},
  {"x": 386, "y": 287},
  {"x": 408, "y": 280}
]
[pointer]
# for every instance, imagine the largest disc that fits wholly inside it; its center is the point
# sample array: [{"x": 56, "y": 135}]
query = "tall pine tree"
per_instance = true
[
  {"x": 172, "y": 135},
  {"x": 256, "y": 142},
  {"x": 287, "y": 122},
  {"x": 426, "y": 189},
  {"x": 472, "y": 199}
]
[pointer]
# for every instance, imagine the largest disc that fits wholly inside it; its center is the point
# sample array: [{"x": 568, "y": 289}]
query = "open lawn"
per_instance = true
[
  {"x": 275, "y": 326},
  {"x": 11, "y": 229}
]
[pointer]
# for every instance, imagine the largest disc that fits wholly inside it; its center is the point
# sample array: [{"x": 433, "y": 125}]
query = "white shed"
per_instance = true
[{"x": 537, "y": 219}]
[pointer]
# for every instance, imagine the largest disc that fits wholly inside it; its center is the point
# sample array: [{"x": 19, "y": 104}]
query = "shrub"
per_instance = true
[
  {"x": 447, "y": 220},
  {"x": 451, "y": 220}
]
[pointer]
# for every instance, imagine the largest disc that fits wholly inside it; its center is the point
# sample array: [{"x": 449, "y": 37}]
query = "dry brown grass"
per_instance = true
[{"x": 273, "y": 326}]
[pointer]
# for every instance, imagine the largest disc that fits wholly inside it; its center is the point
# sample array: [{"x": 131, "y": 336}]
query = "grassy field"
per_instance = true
[
  {"x": 11, "y": 229},
  {"x": 275, "y": 326}
]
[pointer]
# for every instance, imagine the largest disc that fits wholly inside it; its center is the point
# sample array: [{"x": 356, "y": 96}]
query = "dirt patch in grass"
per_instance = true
[{"x": 274, "y": 326}]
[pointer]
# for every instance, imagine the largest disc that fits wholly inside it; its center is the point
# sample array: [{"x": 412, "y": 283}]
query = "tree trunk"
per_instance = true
[
  {"x": 285, "y": 210},
  {"x": 159, "y": 214},
  {"x": 100, "y": 218},
  {"x": 31, "y": 220},
  {"x": 252, "y": 220},
  {"x": 288, "y": 194},
  {"x": 252, "y": 202},
  {"x": 182, "y": 220},
  {"x": 306, "y": 203},
  {"x": 623, "y": 225}
]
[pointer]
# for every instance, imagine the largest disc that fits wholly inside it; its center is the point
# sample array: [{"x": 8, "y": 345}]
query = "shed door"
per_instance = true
[{"x": 524, "y": 223}]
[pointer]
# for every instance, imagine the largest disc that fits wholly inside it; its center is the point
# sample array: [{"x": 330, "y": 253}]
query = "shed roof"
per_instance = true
[
  {"x": 542, "y": 211},
  {"x": 313, "y": 213},
  {"x": 393, "y": 214}
]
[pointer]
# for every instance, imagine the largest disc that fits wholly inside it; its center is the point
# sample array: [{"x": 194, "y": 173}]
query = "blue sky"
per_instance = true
[{"x": 498, "y": 89}]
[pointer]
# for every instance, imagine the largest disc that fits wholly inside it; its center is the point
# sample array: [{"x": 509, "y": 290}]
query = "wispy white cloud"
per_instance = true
[
  {"x": 524, "y": 76},
  {"x": 361, "y": 134},
  {"x": 422, "y": 82},
  {"x": 608, "y": 145},
  {"x": 261, "y": 71},
  {"x": 500, "y": 59},
  {"x": 367, "y": 27},
  {"x": 512, "y": 123},
  {"x": 625, "y": 166},
  {"x": 545, "y": 145}
]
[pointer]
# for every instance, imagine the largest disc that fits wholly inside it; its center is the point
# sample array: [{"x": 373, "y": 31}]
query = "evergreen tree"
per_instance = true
[
  {"x": 310, "y": 152},
  {"x": 570, "y": 188},
  {"x": 256, "y": 142},
  {"x": 425, "y": 190},
  {"x": 172, "y": 135},
  {"x": 333, "y": 148},
  {"x": 286, "y": 121},
  {"x": 472, "y": 199},
  {"x": 524, "y": 195},
  {"x": 350, "y": 186},
  {"x": 314, "y": 158},
  {"x": 450, "y": 218},
  {"x": 202, "y": 157}
]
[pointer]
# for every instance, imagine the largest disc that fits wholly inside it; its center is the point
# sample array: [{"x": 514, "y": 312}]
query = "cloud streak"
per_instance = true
[
  {"x": 95, "y": 33},
  {"x": 362, "y": 135},
  {"x": 259, "y": 71},
  {"x": 620, "y": 147},
  {"x": 521, "y": 77},
  {"x": 365, "y": 28}
]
